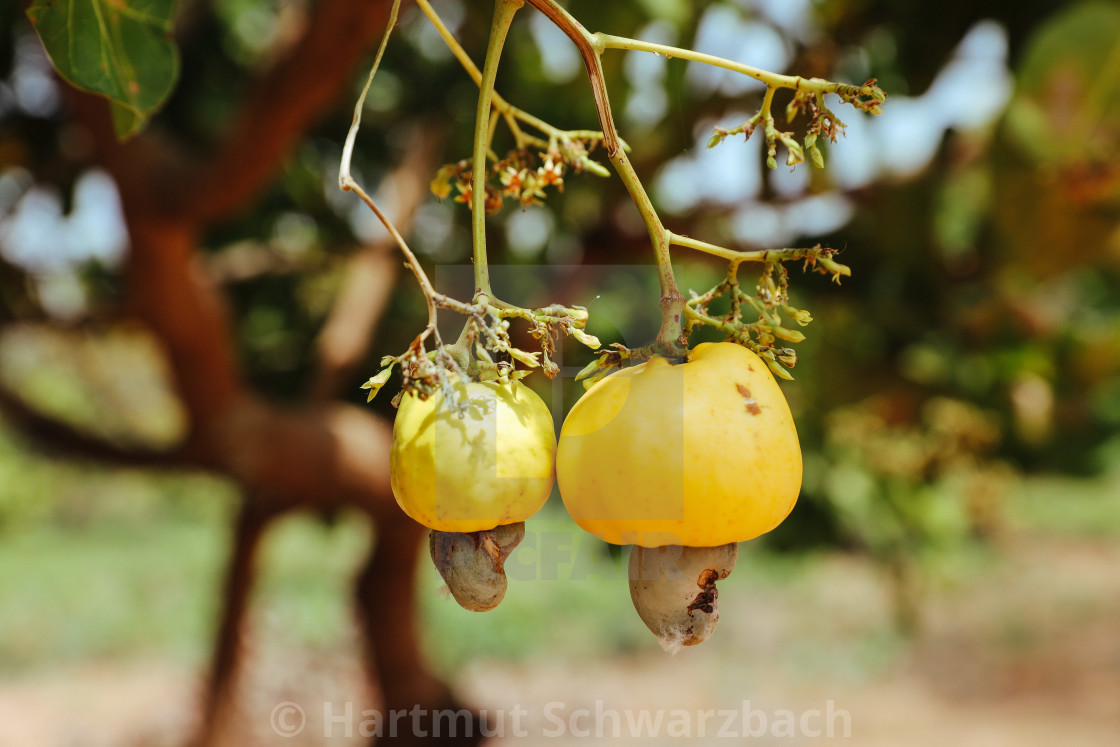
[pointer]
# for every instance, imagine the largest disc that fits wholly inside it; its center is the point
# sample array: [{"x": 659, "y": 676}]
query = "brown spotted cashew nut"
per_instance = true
[
  {"x": 674, "y": 590},
  {"x": 472, "y": 564}
]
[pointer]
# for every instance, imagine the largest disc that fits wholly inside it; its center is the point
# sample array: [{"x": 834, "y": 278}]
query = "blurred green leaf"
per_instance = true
[
  {"x": 119, "y": 49},
  {"x": 676, "y": 12},
  {"x": 1066, "y": 108}
]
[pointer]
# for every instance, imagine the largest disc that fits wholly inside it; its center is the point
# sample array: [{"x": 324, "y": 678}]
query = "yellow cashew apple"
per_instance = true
[
  {"x": 493, "y": 465},
  {"x": 702, "y": 454}
]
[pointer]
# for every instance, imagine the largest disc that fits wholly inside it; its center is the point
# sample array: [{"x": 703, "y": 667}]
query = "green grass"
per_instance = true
[
  {"x": 1089, "y": 508},
  {"x": 118, "y": 590},
  {"x": 107, "y": 590},
  {"x": 143, "y": 578}
]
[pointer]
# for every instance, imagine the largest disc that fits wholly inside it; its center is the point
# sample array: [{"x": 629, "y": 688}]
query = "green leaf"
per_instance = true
[
  {"x": 120, "y": 49},
  {"x": 676, "y": 12}
]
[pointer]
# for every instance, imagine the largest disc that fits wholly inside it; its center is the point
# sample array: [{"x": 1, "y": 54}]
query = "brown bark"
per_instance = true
[
  {"x": 386, "y": 595},
  {"x": 283, "y": 104},
  {"x": 63, "y": 438},
  {"x": 324, "y": 454},
  {"x": 248, "y": 531}
]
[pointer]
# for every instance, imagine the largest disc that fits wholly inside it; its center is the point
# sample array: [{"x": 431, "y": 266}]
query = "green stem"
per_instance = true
[
  {"x": 670, "y": 339},
  {"x": 731, "y": 255},
  {"x": 772, "y": 80},
  {"x": 729, "y": 328},
  {"x": 767, "y": 101},
  {"x": 504, "y": 11},
  {"x": 733, "y": 290},
  {"x": 472, "y": 70},
  {"x": 513, "y": 115}
]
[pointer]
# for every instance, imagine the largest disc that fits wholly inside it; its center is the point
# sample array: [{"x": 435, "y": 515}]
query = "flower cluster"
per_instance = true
[
  {"x": 770, "y": 302},
  {"x": 484, "y": 351},
  {"x": 822, "y": 121},
  {"x": 523, "y": 175}
]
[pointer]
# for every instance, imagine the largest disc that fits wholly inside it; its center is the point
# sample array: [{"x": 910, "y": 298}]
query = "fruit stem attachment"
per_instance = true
[
  {"x": 669, "y": 339},
  {"x": 504, "y": 11}
]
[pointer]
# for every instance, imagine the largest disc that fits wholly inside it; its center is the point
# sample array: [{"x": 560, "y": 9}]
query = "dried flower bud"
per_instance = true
[{"x": 787, "y": 357}]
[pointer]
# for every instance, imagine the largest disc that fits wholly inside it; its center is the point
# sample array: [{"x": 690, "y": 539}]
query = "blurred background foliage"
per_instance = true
[{"x": 977, "y": 343}]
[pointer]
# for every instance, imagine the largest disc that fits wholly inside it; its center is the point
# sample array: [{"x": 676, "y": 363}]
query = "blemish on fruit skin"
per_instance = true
[
  {"x": 705, "y": 601},
  {"x": 752, "y": 404}
]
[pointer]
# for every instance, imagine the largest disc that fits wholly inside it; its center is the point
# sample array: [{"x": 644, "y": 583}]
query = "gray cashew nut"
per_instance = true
[
  {"x": 472, "y": 564},
  {"x": 674, "y": 590}
]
